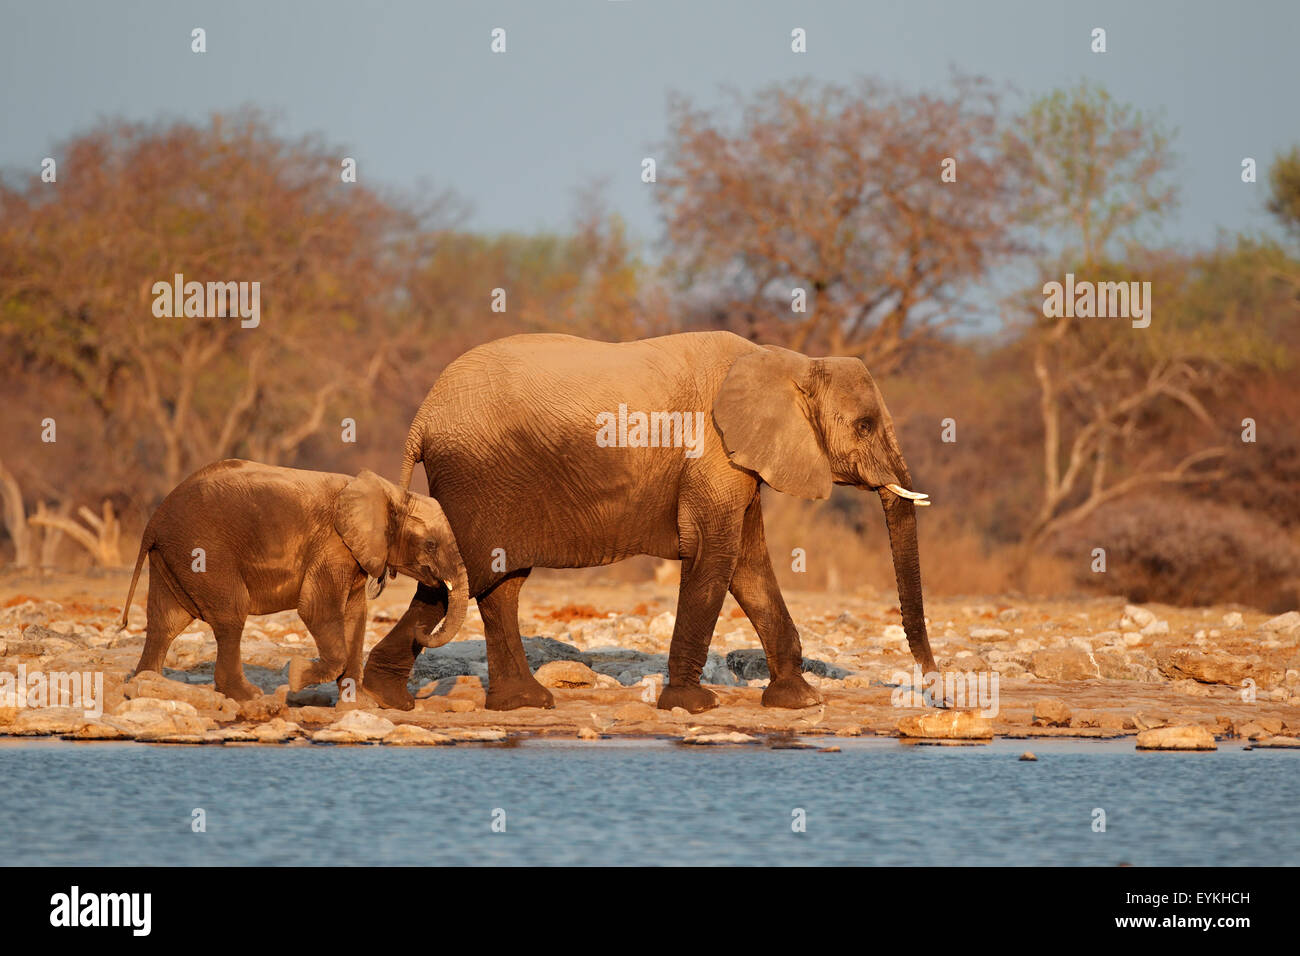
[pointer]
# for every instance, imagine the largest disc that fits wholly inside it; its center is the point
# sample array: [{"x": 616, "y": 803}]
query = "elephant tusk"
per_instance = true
[
  {"x": 923, "y": 504},
  {"x": 904, "y": 493}
]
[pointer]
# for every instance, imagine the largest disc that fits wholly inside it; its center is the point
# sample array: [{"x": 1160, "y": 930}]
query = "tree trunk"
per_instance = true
[{"x": 14, "y": 518}]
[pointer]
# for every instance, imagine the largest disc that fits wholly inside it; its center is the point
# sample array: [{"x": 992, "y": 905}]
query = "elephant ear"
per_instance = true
[
  {"x": 363, "y": 513},
  {"x": 762, "y": 411}
]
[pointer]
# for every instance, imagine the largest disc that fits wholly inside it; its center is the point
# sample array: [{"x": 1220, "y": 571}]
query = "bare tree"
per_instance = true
[
  {"x": 101, "y": 535},
  {"x": 840, "y": 191},
  {"x": 14, "y": 517},
  {"x": 226, "y": 202},
  {"x": 1108, "y": 392}
]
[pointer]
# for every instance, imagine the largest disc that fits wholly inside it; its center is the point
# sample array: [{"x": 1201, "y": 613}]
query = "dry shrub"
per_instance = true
[
  {"x": 1182, "y": 550},
  {"x": 574, "y": 612},
  {"x": 1264, "y": 475}
]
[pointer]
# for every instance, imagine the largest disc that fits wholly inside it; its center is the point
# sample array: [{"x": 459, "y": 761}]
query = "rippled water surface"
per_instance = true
[{"x": 646, "y": 802}]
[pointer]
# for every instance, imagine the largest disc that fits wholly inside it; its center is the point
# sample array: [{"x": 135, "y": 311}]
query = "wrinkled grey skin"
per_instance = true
[
  {"x": 276, "y": 539},
  {"x": 508, "y": 440}
]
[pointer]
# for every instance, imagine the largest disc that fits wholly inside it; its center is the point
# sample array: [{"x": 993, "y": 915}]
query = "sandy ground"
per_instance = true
[{"x": 1076, "y": 668}]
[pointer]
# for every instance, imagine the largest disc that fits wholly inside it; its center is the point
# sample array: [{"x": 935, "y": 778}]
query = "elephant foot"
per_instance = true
[
  {"x": 791, "y": 692},
  {"x": 693, "y": 697},
  {"x": 388, "y": 668},
  {"x": 363, "y": 701},
  {"x": 305, "y": 673},
  {"x": 386, "y": 689},
  {"x": 926, "y": 662},
  {"x": 240, "y": 690},
  {"x": 353, "y": 696},
  {"x": 513, "y": 694}
]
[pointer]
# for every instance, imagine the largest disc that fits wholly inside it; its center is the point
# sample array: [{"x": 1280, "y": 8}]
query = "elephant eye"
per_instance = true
[{"x": 863, "y": 425}]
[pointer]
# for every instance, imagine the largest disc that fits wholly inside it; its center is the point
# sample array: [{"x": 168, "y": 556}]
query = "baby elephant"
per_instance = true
[{"x": 239, "y": 538}]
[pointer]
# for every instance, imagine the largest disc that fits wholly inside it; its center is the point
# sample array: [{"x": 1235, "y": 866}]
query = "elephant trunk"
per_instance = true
[
  {"x": 457, "y": 605},
  {"x": 900, "y": 519}
]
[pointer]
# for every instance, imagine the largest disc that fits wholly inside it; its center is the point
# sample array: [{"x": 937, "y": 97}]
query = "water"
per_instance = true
[{"x": 646, "y": 803}]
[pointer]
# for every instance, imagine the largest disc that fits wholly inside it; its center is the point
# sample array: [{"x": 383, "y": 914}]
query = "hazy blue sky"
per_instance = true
[{"x": 413, "y": 92}]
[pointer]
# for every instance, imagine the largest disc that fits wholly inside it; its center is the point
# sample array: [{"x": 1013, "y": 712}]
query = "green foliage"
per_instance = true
[
  {"x": 1284, "y": 186},
  {"x": 587, "y": 282},
  {"x": 1098, "y": 169},
  {"x": 1239, "y": 303},
  {"x": 1222, "y": 307}
]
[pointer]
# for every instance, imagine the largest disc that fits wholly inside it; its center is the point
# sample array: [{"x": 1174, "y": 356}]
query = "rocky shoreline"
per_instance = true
[{"x": 1171, "y": 678}]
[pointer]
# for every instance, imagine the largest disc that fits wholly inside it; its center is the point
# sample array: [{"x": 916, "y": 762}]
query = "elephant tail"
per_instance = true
[{"x": 146, "y": 545}]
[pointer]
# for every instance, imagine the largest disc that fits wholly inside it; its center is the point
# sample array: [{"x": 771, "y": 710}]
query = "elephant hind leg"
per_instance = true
[
  {"x": 510, "y": 682},
  {"x": 230, "y": 679},
  {"x": 755, "y": 588},
  {"x": 166, "y": 619}
]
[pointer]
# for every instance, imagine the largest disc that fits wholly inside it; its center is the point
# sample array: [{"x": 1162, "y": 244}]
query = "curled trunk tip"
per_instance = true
[{"x": 457, "y": 605}]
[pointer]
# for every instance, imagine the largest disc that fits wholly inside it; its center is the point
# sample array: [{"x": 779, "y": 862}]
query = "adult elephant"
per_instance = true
[{"x": 560, "y": 452}]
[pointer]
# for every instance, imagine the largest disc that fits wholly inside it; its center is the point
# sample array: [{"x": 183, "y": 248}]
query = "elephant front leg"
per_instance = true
[
  {"x": 337, "y": 623},
  {"x": 755, "y": 589},
  {"x": 699, "y": 599},
  {"x": 351, "y": 693},
  {"x": 328, "y": 634},
  {"x": 388, "y": 669},
  {"x": 511, "y": 683}
]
